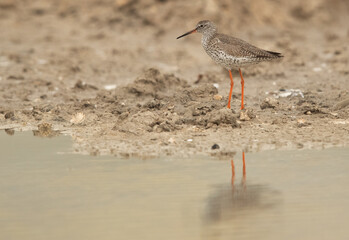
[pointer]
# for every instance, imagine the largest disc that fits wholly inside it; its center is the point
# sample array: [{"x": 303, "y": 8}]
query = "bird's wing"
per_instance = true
[{"x": 239, "y": 48}]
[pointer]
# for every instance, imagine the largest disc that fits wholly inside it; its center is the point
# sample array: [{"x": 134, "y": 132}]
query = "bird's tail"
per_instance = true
[{"x": 276, "y": 54}]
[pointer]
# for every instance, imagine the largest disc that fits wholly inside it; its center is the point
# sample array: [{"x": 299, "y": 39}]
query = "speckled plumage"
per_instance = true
[{"x": 231, "y": 52}]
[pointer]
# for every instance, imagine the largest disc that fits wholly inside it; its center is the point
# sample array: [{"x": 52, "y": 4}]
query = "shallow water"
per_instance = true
[{"x": 47, "y": 192}]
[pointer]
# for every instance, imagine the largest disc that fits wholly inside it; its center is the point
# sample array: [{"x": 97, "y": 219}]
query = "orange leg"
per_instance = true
[
  {"x": 242, "y": 90},
  {"x": 232, "y": 172},
  {"x": 243, "y": 164},
  {"x": 243, "y": 181},
  {"x": 231, "y": 88}
]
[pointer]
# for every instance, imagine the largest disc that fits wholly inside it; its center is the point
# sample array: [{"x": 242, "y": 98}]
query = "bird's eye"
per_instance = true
[{"x": 201, "y": 25}]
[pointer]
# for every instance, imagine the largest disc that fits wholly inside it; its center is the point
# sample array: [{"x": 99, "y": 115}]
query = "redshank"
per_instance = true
[{"x": 230, "y": 52}]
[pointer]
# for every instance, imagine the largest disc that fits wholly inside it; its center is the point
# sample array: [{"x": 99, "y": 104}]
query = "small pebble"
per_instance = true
[
  {"x": 215, "y": 146},
  {"x": 9, "y": 115},
  {"x": 217, "y": 97},
  {"x": 302, "y": 123},
  {"x": 77, "y": 118},
  {"x": 269, "y": 103},
  {"x": 246, "y": 115}
]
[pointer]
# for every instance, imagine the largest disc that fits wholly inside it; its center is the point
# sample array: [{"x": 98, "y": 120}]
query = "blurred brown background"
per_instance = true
[{"x": 122, "y": 37}]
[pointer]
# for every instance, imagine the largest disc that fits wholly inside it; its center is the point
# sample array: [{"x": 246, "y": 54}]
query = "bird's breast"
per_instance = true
[{"x": 226, "y": 60}]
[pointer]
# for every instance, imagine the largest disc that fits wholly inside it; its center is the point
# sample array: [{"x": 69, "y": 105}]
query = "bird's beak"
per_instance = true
[{"x": 185, "y": 34}]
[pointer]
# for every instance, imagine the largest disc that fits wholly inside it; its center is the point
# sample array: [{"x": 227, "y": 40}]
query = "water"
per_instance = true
[{"x": 47, "y": 192}]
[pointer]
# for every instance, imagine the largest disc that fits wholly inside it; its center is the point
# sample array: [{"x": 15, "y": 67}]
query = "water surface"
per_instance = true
[{"x": 47, "y": 192}]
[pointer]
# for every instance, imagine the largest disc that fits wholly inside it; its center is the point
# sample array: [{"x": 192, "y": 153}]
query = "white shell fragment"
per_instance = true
[
  {"x": 110, "y": 87},
  {"x": 78, "y": 118},
  {"x": 287, "y": 93}
]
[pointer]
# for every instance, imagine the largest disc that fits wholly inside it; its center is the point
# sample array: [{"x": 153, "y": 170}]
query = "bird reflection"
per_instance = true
[
  {"x": 243, "y": 180},
  {"x": 238, "y": 199}
]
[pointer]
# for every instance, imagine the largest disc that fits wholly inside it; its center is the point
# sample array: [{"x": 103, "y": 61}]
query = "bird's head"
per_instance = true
[{"x": 202, "y": 27}]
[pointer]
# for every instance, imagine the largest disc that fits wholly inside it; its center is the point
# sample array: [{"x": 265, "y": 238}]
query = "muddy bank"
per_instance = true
[{"x": 161, "y": 114}]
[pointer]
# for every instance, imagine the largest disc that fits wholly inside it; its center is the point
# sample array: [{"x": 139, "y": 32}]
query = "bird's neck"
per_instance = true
[{"x": 207, "y": 36}]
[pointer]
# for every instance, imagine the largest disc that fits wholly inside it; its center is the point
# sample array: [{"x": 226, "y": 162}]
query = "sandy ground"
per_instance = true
[{"x": 113, "y": 75}]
